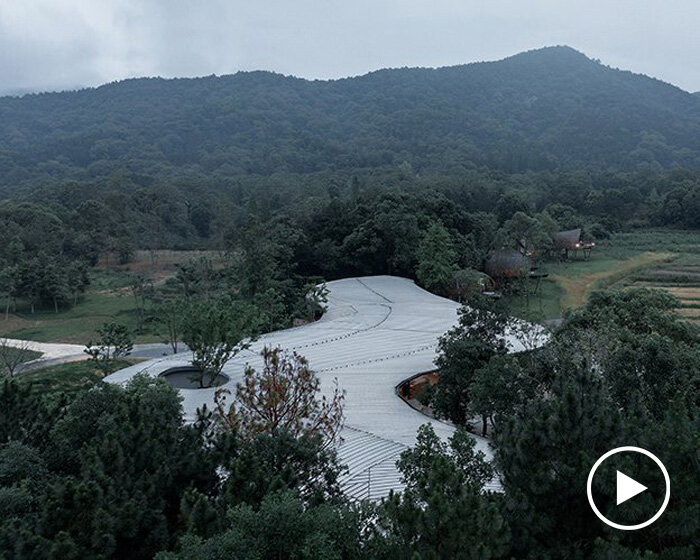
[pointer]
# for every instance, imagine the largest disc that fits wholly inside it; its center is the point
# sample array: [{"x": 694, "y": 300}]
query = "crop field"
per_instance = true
[{"x": 680, "y": 277}]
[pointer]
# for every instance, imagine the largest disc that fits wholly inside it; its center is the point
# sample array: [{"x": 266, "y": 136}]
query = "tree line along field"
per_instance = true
[
  {"x": 108, "y": 298},
  {"x": 662, "y": 258}
]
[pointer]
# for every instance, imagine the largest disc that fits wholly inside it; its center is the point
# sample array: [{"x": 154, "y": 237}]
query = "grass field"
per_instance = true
[
  {"x": 664, "y": 259},
  {"x": 76, "y": 325},
  {"x": 578, "y": 278},
  {"x": 67, "y": 378},
  {"x": 108, "y": 299}
]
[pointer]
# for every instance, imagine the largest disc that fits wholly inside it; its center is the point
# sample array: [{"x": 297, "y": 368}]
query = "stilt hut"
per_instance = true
[
  {"x": 505, "y": 265},
  {"x": 570, "y": 240}
]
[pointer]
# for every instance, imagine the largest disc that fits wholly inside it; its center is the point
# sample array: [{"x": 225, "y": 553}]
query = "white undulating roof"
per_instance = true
[{"x": 377, "y": 332}]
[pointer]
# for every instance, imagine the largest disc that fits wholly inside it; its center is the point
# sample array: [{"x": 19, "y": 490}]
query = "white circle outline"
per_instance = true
[{"x": 589, "y": 484}]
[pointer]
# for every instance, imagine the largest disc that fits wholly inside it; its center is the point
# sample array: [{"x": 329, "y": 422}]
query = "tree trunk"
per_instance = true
[
  {"x": 173, "y": 341},
  {"x": 484, "y": 429}
]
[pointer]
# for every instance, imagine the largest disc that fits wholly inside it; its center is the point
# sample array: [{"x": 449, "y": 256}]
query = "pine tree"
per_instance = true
[
  {"x": 444, "y": 511},
  {"x": 436, "y": 259}
]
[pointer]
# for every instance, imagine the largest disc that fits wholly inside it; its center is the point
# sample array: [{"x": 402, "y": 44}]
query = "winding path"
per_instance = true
[{"x": 376, "y": 332}]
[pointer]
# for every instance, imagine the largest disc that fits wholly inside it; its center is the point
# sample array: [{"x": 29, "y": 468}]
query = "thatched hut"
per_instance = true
[
  {"x": 506, "y": 265},
  {"x": 570, "y": 240}
]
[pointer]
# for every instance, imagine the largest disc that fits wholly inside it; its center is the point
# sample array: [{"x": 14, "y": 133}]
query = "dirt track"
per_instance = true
[{"x": 576, "y": 288}]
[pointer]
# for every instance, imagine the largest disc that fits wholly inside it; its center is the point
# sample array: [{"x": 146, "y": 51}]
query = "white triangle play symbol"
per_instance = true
[{"x": 627, "y": 488}]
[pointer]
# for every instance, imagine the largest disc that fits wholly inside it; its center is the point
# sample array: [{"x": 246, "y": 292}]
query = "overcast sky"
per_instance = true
[{"x": 63, "y": 44}]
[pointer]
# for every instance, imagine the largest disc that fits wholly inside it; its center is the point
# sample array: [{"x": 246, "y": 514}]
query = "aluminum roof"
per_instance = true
[{"x": 377, "y": 332}]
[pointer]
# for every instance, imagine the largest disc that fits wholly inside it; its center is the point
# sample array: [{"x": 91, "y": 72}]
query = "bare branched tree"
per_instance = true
[{"x": 13, "y": 354}]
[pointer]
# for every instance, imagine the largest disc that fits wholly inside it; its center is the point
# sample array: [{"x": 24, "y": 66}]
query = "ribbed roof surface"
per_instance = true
[{"x": 377, "y": 332}]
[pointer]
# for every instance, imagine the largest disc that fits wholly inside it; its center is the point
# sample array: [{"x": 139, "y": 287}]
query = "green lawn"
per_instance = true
[
  {"x": 107, "y": 299},
  {"x": 545, "y": 304},
  {"x": 67, "y": 378},
  {"x": 77, "y": 324}
]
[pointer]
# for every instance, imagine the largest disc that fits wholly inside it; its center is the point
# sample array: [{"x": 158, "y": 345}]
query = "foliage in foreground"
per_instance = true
[
  {"x": 623, "y": 371},
  {"x": 115, "y": 473}
]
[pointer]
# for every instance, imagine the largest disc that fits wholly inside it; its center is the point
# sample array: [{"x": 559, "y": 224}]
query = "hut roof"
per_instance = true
[
  {"x": 506, "y": 264},
  {"x": 567, "y": 239}
]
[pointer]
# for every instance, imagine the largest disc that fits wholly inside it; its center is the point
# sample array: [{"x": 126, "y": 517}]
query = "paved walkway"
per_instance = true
[{"x": 54, "y": 353}]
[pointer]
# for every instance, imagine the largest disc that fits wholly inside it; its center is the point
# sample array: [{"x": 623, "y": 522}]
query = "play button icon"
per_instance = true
[
  {"x": 627, "y": 488},
  {"x": 648, "y": 468}
]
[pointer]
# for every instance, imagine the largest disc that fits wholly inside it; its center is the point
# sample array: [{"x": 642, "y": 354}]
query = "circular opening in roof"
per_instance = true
[{"x": 187, "y": 377}]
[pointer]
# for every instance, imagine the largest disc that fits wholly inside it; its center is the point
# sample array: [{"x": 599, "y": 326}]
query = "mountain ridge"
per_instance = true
[
  {"x": 545, "y": 109},
  {"x": 560, "y": 50}
]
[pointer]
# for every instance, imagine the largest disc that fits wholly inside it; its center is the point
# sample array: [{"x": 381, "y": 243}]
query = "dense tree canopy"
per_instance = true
[
  {"x": 541, "y": 110},
  {"x": 623, "y": 369}
]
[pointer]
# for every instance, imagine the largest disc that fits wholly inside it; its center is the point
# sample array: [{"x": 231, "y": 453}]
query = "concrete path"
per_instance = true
[
  {"x": 49, "y": 350},
  {"x": 55, "y": 353}
]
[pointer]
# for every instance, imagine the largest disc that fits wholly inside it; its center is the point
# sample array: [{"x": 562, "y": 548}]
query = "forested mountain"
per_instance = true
[{"x": 549, "y": 109}]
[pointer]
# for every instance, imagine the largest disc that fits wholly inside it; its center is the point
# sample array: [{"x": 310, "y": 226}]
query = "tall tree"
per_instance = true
[
  {"x": 13, "y": 354},
  {"x": 114, "y": 342},
  {"x": 466, "y": 348},
  {"x": 437, "y": 259},
  {"x": 141, "y": 288},
  {"x": 283, "y": 396}
]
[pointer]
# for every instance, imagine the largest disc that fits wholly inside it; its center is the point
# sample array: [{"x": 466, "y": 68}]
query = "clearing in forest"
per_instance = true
[{"x": 108, "y": 298}]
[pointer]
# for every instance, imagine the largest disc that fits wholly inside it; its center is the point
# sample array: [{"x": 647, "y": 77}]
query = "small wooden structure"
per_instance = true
[
  {"x": 466, "y": 282},
  {"x": 413, "y": 387},
  {"x": 570, "y": 240},
  {"x": 506, "y": 265}
]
